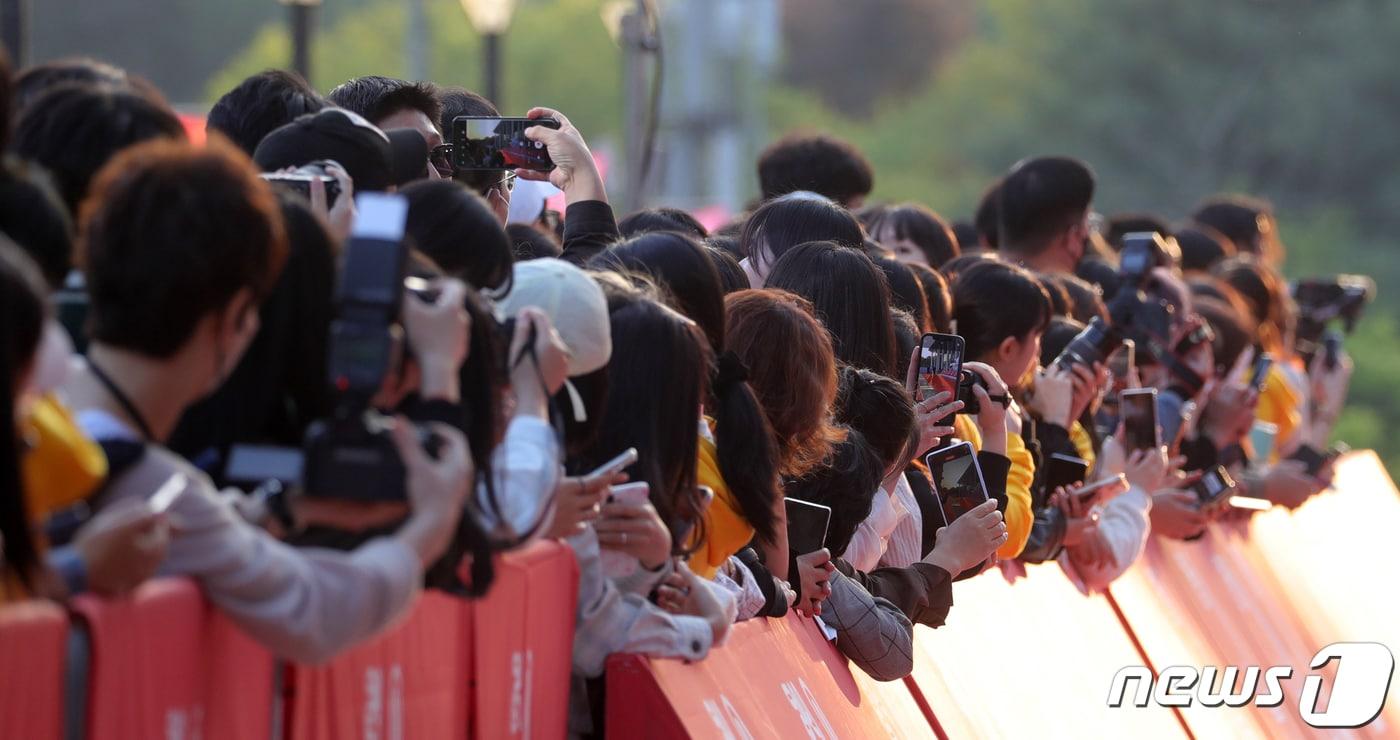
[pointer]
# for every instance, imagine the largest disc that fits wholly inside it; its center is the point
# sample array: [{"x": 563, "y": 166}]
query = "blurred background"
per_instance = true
[{"x": 1292, "y": 100}]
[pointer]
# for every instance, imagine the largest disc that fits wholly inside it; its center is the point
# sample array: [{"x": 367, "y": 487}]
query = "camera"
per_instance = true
[
  {"x": 1134, "y": 314},
  {"x": 966, "y": 380},
  {"x": 1323, "y": 300},
  {"x": 299, "y": 180}
]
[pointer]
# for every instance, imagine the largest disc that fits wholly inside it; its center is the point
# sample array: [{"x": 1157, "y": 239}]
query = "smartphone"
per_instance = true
[
  {"x": 615, "y": 465},
  {"x": 940, "y": 361},
  {"x": 1122, "y": 362},
  {"x": 1261, "y": 441},
  {"x": 169, "y": 491},
  {"x": 1250, "y": 503},
  {"x": 957, "y": 479},
  {"x": 616, "y": 564},
  {"x": 1107, "y": 488},
  {"x": 1064, "y": 470},
  {"x": 806, "y": 525},
  {"x": 1214, "y": 485},
  {"x": 299, "y": 183},
  {"x": 1331, "y": 348},
  {"x": 480, "y": 143},
  {"x": 1262, "y": 364},
  {"x": 630, "y": 493},
  {"x": 1138, "y": 409},
  {"x": 254, "y": 464}
]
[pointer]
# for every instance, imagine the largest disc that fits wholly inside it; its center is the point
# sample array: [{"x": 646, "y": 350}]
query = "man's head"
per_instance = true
[
  {"x": 821, "y": 164},
  {"x": 1248, "y": 222},
  {"x": 374, "y": 159},
  {"x": 1043, "y": 212},
  {"x": 391, "y": 103},
  {"x": 493, "y": 185},
  {"x": 178, "y": 246},
  {"x": 260, "y": 104},
  {"x": 74, "y": 129}
]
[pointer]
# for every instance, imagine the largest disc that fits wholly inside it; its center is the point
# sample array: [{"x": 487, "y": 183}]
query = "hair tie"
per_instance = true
[{"x": 731, "y": 372}]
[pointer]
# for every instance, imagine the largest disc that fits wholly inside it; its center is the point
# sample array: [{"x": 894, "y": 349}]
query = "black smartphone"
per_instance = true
[
  {"x": 1262, "y": 364},
  {"x": 1064, "y": 470},
  {"x": 1138, "y": 409},
  {"x": 957, "y": 479},
  {"x": 940, "y": 361},
  {"x": 806, "y": 525},
  {"x": 499, "y": 144},
  {"x": 1331, "y": 348},
  {"x": 1214, "y": 485}
]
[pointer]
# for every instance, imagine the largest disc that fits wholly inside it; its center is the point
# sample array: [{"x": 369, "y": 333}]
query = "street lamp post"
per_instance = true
[
  {"x": 300, "y": 16},
  {"x": 490, "y": 18},
  {"x": 14, "y": 30}
]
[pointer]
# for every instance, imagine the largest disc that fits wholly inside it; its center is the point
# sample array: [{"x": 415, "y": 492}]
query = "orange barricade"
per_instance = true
[
  {"x": 411, "y": 682},
  {"x": 33, "y": 642},
  {"x": 164, "y": 663},
  {"x": 1030, "y": 659},
  {"x": 774, "y": 678},
  {"x": 524, "y": 636}
]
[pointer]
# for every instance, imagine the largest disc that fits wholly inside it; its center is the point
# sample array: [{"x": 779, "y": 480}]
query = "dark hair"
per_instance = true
[
  {"x": 1057, "y": 336},
  {"x": 1237, "y": 217},
  {"x": 907, "y": 333},
  {"x": 662, "y": 361},
  {"x": 875, "y": 249},
  {"x": 819, "y": 164},
  {"x": 36, "y": 80},
  {"x": 1260, "y": 286},
  {"x": 1202, "y": 247},
  {"x": 1232, "y": 336},
  {"x": 847, "y": 481},
  {"x": 661, "y": 219},
  {"x": 280, "y": 384},
  {"x": 77, "y": 129},
  {"x": 731, "y": 274},
  {"x": 376, "y": 97},
  {"x": 918, "y": 224},
  {"x": 33, "y": 217},
  {"x": 1122, "y": 224},
  {"x": 780, "y": 225},
  {"x": 880, "y": 409},
  {"x": 728, "y": 243},
  {"x": 905, "y": 290},
  {"x": 173, "y": 233},
  {"x": 967, "y": 236},
  {"x": 953, "y": 267},
  {"x": 459, "y": 101},
  {"x": 987, "y": 217},
  {"x": 1061, "y": 304},
  {"x": 938, "y": 297},
  {"x": 792, "y": 370},
  {"x": 22, "y": 304},
  {"x": 851, "y": 298},
  {"x": 261, "y": 103},
  {"x": 1099, "y": 272},
  {"x": 1086, "y": 297},
  {"x": 993, "y": 301},
  {"x": 7, "y": 104},
  {"x": 1039, "y": 199},
  {"x": 459, "y": 231},
  {"x": 529, "y": 243}
]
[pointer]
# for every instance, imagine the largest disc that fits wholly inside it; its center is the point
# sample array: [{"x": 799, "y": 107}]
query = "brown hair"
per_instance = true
[
  {"x": 792, "y": 369},
  {"x": 172, "y": 233}
]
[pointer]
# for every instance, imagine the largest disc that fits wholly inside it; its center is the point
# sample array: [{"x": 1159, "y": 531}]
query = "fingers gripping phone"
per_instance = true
[
  {"x": 1107, "y": 488},
  {"x": 480, "y": 143},
  {"x": 940, "y": 362},
  {"x": 1138, "y": 409},
  {"x": 957, "y": 479},
  {"x": 615, "y": 465},
  {"x": 806, "y": 525},
  {"x": 1064, "y": 470}
]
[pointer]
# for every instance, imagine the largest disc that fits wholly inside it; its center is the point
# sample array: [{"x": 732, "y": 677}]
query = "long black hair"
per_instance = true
[
  {"x": 784, "y": 223},
  {"x": 993, "y": 300},
  {"x": 851, "y": 297},
  {"x": 746, "y": 452},
  {"x": 661, "y": 359},
  {"x": 23, "y": 308},
  {"x": 906, "y": 292}
]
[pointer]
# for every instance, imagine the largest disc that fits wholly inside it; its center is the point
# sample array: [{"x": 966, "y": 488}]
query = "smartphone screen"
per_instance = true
[
  {"x": 940, "y": 361},
  {"x": 806, "y": 525},
  {"x": 1214, "y": 483},
  {"x": 1121, "y": 363},
  {"x": 1260, "y": 376},
  {"x": 499, "y": 144},
  {"x": 1138, "y": 409},
  {"x": 1064, "y": 470},
  {"x": 253, "y": 464},
  {"x": 957, "y": 479}
]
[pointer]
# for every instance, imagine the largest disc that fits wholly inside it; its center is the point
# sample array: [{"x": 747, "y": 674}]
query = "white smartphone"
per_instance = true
[
  {"x": 1101, "y": 490},
  {"x": 615, "y": 465},
  {"x": 630, "y": 493},
  {"x": 164, "y": 497}
]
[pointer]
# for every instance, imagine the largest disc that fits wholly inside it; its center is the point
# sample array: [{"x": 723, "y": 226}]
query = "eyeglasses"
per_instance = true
[{"x": 441, "y": 160}]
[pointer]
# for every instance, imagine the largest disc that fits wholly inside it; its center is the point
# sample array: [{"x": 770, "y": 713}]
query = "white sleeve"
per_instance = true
[
  {"x": 749, "y": 597},
  {"x": 906, "y": 542},
  {"x": 1124, "y": 525},
  {"x": 868, "y": 543},
  {"x": 525, "y": 471}
]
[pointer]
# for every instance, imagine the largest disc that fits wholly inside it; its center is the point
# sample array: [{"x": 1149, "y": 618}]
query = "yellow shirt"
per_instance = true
[
  {"x": 1280, "y": 404},
  {"x": 64, "y": 466},
  {"x": 1018, "y": 516},
  {"x": 726, "y": 529},
  {"x": 1082, "y": 444}
]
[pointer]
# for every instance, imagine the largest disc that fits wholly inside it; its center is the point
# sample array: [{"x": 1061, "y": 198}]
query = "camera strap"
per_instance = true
[{"x": 121, "y": 398}]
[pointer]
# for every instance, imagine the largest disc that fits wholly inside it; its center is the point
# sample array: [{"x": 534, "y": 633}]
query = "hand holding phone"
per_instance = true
[
  {"x": 485, "y": 143},
  {"x": 1100, "y": 490},
  {"x": 940, "y": 363},
  {"x": 957, "y": 479},
  {"x": 1138, "y": 410},
  {"x": 807, "y": 525},
  {"x": 1065, "y": 471}
]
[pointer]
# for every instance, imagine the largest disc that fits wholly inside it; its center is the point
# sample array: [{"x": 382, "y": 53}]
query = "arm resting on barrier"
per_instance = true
[
  {"x": 922, "y": 592},
  {"x": 871, "y": 632}
]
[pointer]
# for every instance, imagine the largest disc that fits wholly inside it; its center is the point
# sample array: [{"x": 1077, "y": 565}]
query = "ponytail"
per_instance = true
[{"x": 747, "y": 452}]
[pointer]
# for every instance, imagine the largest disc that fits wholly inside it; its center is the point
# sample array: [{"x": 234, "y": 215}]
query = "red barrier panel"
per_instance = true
[
  {"x": 33, "y": 641},
  {"x": 411, "y": 682},
  {"x": 774, "y": 678},
  {"x": 164, "y": 663},
  {"x": 524, "y": 633},
  {"x": 1030, "y": 659}
]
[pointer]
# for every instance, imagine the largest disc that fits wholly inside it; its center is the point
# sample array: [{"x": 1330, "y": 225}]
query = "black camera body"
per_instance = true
[
  {"x": 1324, "y": 300},
  {"x": 967, "y": 379},
  {"x": 1133, "y": 313},
  {"x": 299, "y": 180}
]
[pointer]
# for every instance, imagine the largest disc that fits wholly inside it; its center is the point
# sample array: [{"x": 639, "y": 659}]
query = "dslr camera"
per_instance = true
[
  {"x": 299, "y": 180},
  {"x": 1134, "y": 314},
  {"x": 1322, "y": 301}
]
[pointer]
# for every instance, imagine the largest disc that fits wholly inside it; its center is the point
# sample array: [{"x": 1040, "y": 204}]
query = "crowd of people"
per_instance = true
[{"x": 171, "y": 311}]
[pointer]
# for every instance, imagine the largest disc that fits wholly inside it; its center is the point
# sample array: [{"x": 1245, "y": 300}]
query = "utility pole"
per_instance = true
[
  {"x": 14, "y": 30},
  {"x": 300, "y": 16},
  {"x": 416, "y": 41},
  {"x": 640, "y": 40}
]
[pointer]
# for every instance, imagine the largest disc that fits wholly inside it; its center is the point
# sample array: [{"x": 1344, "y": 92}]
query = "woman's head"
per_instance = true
[
  {"x": 1002, "y": 311},
  {"x": 659, "y": 369},
  {"x": 460, "y": 232},
  {"x": 906, "y": 292},
  {"x": 851, "y": 297},
  {"x": 1270, "y": 306},
  {"x": 781, "y": 224},
  {"x": 846, "y": 481},
  {"x": 791, "y": 368},
  {"x": 680, "y": 266},
  {"x": 940, "y": 298},
  {"x": 731, "y": 274},
  {"x": 661, "y": 219},
  {"x": 915, "y": 233},
  {"x": 881, "y": 410},
  {"x": 22, "y": 304}
]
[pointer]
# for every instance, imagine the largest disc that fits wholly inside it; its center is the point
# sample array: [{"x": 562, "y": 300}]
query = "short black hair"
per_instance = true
[
  {"x": 987, "y": 218},
  {"x": 969, "y": 239},
  {"x": 1122, "y": 224},
  {"x": 74, "y": 129},
  {"x": 1237, "y": 217},
  {"x": 261, "y": 103},
  {"x": 459, "y": 101},
  {"x": 992, "y": 301},
  {"x": 35, "y": 80},
  {"x": 661, "y": 219},
  {"x": 171, "y": 234},
  {"x": 459, "y": 231},
  {"x": 847, "y": 481},
  {"x": 32, "y": 215},
  {"x": 529, "y": 243},
  {"x": 1039, "y": 199},
  {"x": 817, "y": 163},
  {"x": 880, "y": 408},
  {"x": 1202, "y": 247},
  {"x": 376, "y": 97},
  {"x": 783, "y": 223}
]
